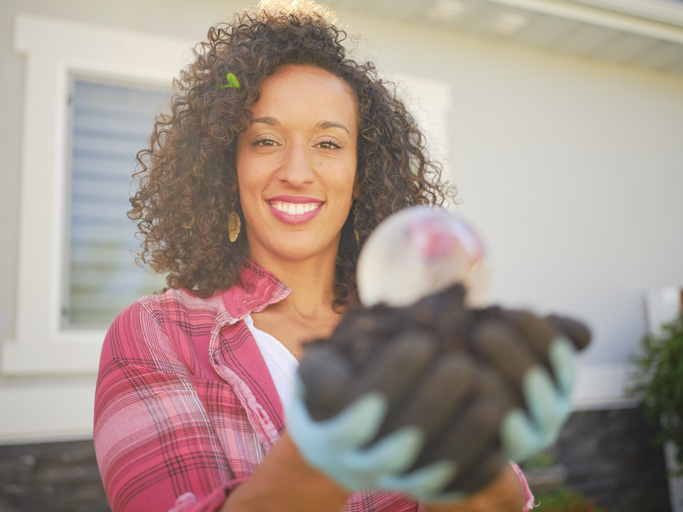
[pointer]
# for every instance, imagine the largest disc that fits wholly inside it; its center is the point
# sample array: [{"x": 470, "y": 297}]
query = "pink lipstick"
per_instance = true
[{"x": 294, "y": 209}]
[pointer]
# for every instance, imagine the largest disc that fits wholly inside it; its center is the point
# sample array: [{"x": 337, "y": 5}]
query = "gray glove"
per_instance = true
[{"x": 477, "y": 386}]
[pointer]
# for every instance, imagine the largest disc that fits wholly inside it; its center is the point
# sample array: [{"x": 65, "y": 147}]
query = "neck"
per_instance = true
[{"x": 311, "y": 281}]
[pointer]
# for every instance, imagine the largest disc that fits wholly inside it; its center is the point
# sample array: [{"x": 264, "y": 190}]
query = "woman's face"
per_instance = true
[{"x": 296, "y": 165}]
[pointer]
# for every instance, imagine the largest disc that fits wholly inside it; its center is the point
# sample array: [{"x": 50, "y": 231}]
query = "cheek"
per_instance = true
[
  {"x": 249, "y": 199},
  {"x": 244, "y": 163},
  {"x": 248, "y": 176},
  {"x": 352, "y": 178},
  {"x": 248, "y": 189}
]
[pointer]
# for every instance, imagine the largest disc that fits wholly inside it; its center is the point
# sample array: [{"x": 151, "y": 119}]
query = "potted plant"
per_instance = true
[
  {"x": 658, "y": 384},
  {"x": 543, "y": 473},
  {"x": 565, "y": 500}
]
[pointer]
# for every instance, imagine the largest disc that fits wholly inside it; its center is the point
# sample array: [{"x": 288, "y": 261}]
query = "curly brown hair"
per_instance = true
[{"x": 188, "y": 176}]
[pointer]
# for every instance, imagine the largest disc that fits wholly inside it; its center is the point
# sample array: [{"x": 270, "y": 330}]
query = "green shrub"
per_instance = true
[{"x": 659, "y": 384}]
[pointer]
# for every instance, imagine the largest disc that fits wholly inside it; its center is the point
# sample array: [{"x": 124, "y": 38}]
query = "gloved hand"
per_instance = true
[
  {"x": 432, "y": 399},
  {"x": 341, "y": 444},
  {"x": 536, "y": 356}
]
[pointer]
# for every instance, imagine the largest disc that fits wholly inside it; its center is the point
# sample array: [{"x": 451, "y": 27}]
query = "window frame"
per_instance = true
[{"x": 54, "y": 50}]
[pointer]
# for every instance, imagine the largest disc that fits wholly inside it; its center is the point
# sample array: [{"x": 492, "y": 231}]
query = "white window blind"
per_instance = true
[{"x": 110, "y": 123}]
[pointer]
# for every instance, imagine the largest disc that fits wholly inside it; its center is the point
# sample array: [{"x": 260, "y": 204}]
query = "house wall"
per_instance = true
[{"x": 572, "y": 169}]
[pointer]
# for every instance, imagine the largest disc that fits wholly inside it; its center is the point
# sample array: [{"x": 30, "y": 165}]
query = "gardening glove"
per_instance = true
[
  {"x": 537, "y": 358},
  {"x": 337, "y": 439},
  {"x": 438, "y": 384}
]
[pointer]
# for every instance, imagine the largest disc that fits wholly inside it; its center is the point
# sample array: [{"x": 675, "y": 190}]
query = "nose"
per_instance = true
[{"x": 297, "y": 166}]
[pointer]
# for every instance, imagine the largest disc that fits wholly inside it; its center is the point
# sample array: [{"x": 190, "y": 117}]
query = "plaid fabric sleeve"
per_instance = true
[
  {"x": 528, "y": 496},
  {"x": 156, "y": 442}
]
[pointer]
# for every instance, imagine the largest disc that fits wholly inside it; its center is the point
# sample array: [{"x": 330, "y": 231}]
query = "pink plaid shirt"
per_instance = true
[{"x": 185, "y": 407}]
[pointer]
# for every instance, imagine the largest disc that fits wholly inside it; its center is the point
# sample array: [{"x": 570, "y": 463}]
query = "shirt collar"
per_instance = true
[{"x": 256, "y": 289}]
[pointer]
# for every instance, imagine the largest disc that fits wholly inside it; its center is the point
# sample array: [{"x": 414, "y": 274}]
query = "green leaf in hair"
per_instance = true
[{"x": 232, "y": 82}]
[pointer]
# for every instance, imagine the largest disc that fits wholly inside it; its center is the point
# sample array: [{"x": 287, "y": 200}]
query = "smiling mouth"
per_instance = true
[{"x": 294, "y": 209}]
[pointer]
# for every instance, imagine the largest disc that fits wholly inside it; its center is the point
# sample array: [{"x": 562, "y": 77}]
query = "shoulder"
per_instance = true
[
  {"x": 160, "y": 323},
  {"x": 180, "y": 305},
  {"x": 174, "y": 305}
]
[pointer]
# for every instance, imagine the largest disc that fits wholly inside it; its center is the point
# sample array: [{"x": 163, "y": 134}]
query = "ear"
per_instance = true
[{"x": 356, "y": 187}]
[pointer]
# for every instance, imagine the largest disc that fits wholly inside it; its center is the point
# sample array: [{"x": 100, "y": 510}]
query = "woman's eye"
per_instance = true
[
  {"x": 329, "y": 144},
  {"x": 263, "y": 141}
]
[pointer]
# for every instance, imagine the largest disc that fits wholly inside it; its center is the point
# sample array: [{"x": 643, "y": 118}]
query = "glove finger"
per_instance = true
[
  {"x": 563, "y": 362},
  {"x": 325, "y": 376},
  {"x": 395, "y": 369},
  {"x": 477, "y": 429},
  {"x": 548, "y": 407},
  {"x": 576, "y": 331},
  {"x": 352, "y": 427},
  {"x": 535, "y": 332},
  {"x": 492, "y": 385},
  {"x": 507, "y": 352},
  {"x": 391, "y": 454},
  {"x": 555, "y": 340},
  {"x": 514, "y": 359},
  {"x": 524, "y": 434},
  {"x": 437, "y": 397},
  {"x": 423, "y": 483},
  {"x": 483, "y": 473},
  {"x": 520, "y": 437},
  {"x": 474, "y": 430}
]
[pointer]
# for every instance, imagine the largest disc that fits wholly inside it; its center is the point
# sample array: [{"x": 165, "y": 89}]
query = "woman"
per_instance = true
[{"x": 279, "y": 158}]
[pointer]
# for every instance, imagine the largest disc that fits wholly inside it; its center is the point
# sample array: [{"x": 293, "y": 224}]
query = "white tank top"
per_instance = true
[{"x": 280, "y": 361}]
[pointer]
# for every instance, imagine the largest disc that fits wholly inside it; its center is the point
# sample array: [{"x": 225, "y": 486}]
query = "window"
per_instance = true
[
  {"x": 110, "y": 123},
  {"x": 57, "y": 329}
]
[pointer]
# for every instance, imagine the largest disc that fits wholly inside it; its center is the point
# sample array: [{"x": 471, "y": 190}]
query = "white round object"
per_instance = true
[{"x": 418, "y": 251}]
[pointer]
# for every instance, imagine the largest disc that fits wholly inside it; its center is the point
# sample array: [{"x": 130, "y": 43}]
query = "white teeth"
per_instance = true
[{"x": 294, "y": 209}]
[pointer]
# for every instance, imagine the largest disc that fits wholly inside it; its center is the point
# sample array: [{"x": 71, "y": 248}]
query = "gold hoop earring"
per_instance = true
[
  {"x": 234, "y": 223},
  {"x": 355, "y": 231}
]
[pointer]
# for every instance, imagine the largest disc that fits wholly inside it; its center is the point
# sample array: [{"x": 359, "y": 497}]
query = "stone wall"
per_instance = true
[
  {"x": 51, "y": 477},
  {"x": 606, "y": 452},
  {"x": 610, "y": 459}
]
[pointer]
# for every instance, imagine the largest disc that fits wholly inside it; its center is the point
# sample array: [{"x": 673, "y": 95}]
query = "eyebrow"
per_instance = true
[
  {"x": 322, "y": 125},
  {"x": 329, "y": 124},
  {"x": 271, "y": 121}
]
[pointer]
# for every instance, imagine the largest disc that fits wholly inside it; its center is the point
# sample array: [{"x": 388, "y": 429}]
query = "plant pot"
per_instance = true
[
  {"x": 675, "y": 483},
  {"x": 544, "y": 480}
]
